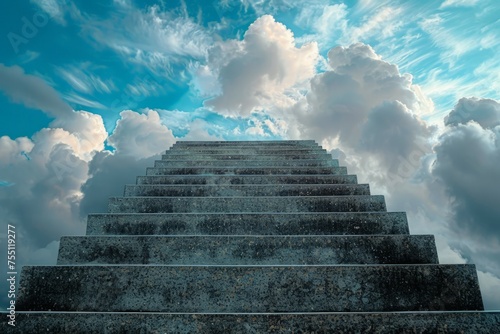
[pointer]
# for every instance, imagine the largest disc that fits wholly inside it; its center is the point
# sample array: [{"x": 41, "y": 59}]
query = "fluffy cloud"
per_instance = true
[
  {"x": 261, "y": 70},
  {"x": 140, "y": 135},
  {"x": 367, "y": 108},
  {"x": 467, "y": 160},
  {"x": 485, "y": 112}
]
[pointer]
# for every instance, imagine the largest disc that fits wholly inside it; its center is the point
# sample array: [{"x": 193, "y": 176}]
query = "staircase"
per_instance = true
[{"x": 250, "y": 237}]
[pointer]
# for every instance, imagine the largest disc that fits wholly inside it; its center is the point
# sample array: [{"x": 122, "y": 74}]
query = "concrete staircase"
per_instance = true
[{"x": 250, "y": 237}]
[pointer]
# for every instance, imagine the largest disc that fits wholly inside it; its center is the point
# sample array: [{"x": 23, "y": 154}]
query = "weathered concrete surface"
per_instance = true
[
  {"x": 245, "y": 170},
  {"x": 247, "y": 179},
  {"x": 332, "y": 223},
  {"x": 246, "y": 163},
  {"x": 249, "y": 151},
  {"x": 353, "y": 203},
  {"x": 319, "y": 323},
  {"x": 247, "y": 190},
  {"x": 245, "y": 143},
  {"x": 265, "y": 245},
  {"x": 248, "y": 250},
  {"x": 283, "y": 146},
  {"x": 188, "y": 156},
  {"x": 361, "y": 288}
]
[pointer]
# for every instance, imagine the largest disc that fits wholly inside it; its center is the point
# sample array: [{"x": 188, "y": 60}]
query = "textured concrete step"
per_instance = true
[
  {"x": 361, "y": 288},
  {"x": 248, "y": 250},
  {"x": 247, "y": 204},
  {"x": 247, "y": 151},
  {"x": 243, "y": 145},
  {"x": 200, "y": 156},
  {"x": 256, "y": 323},
  {"x": 247, "y": 179},
  {"x": 246, "y": 170},
  {"x": 248, "y": 190},
  {"x": 246, "y": 163},
  {"x": 331, "y": 223},
  {"x": 260, "y": 143}
]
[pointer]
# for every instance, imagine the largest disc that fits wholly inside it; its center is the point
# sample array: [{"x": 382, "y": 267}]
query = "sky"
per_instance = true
[{"x": 406, "y": 94}]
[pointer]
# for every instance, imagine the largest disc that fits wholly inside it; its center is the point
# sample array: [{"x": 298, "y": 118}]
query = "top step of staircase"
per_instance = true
[{"x": 247, "y": 143}]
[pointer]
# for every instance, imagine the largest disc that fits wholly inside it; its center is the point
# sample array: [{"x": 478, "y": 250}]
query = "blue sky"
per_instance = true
[
  {"x": 108, "y": 56},
  {"x": 405, "y": 93}
]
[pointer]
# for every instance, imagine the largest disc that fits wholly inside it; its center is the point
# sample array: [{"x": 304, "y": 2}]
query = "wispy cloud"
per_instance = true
[
  {"x": 151, "y": 37},
  {"x": 74, "y": 98},
  {"x": 31, "y": 91},
  {"x": 82, "y": 79},
  {"x": 458, "y": 3},
  {"x": 52, "y": 7}
]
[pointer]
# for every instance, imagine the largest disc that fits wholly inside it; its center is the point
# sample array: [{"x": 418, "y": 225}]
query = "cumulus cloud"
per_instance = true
[
  {"x": 367, "y": 108},
  {"x": 485, "y": 112},
  {"x": 467, "y": 156},
  {"x": 140, "y": 135},
  {"x": 260, "y": 70},
  {"x": 467, "y": 160}
]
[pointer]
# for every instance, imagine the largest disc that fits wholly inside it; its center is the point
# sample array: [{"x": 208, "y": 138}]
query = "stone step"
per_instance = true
[
  {"x": 247, "y": 204},
  {"x": 247, "y": 179},
  {"x": 260, "y": 143},
  {"x": 275, "y": 179},
  {"x": 248, "y": 190},
  {"x": 247, "y": 151},
  {"x": 243, "y": 145},
  {"x": 245, "y": 163},
  {"x": 246, "y": 170},
  {"x": 159, "y": 288},
  {"x": 318, "y": 223},
  {"x": 201, "y": 156},
  {"x": 248, "y": 250},
  {"x": 255, "y": 323}
]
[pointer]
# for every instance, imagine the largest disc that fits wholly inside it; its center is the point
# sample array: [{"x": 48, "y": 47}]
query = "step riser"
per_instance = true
[
  {"x": 245, "y": 204},
  {"x": 240, "y": 146},
  {"x": 248, "y": 171},
  {"x": 250, "y": 289},
  {"x": 248, "y": 151},
  {"x": 251, "y": 157},
  {"x": 247, "y": 163},
  {"x": 244, "y": 250},
  {"x": 340, "y": 223},
  {"x": 247, "y": 179},
  {"x": 254, "y": 190},
  {"x": 394, "y": 323},
  {"x": 245, "y": 142}
]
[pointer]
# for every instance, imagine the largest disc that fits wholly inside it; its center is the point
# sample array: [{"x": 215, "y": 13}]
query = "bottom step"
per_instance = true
[
  {"x": 408, "y": 322},
  {"x": 250, "y": 289}
]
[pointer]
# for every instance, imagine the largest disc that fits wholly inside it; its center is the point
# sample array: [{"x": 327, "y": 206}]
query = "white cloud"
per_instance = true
[
  {"x": 151, "y": 37},
  {"x": 455, "y": 42},
  {"x": 467, "y": 160},
  {"x": 360, "y": 88},
  {"x": 381, "y": 25},
  {"x": 458, "y": 3},
  {"x": 55, "y": 8},
  {"x": 140, "y": 135},
  {"x": 83, "y": 79},
  {"x": 485, "y": 112},
  {"x": 260, "y": 71}
]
